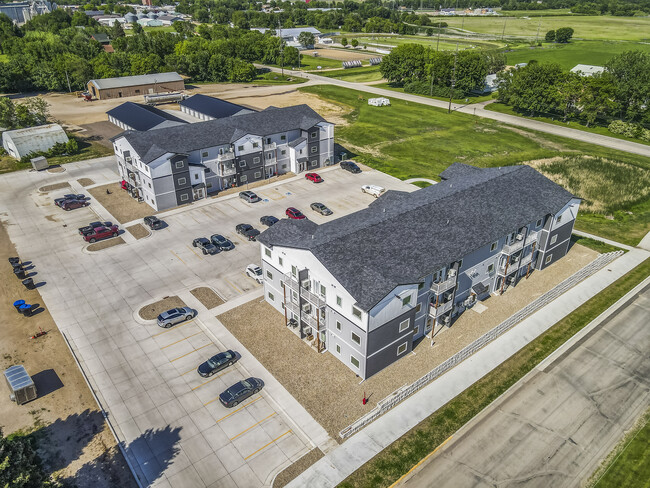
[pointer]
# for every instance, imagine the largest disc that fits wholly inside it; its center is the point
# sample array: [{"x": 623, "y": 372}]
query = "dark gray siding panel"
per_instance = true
[
  {"x": 563, "y": 233},
  {"x": 556, "y": 253},
  {"x": 248, "y": 161},
  {"x": 179, "y": 159},
  {"x": 389, "y": 332},
  {"x": 180, "y": 196}
]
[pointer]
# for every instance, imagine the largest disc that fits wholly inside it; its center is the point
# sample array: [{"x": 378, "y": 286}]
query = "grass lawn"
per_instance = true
[
  {"x": 469, "y": 99},
  {"x": 604, "y": 27},
  {"x": 394, "y": 461},
  {"x": 88, "y": 150},
  {"x": 162, "y": 28},
  {"x": 573, "y": 124},
  {"x": 428, "y": 41},
  {"x": 575, "y": 52},
  {"x": 356, "y": 75},
  {"x": 272, "y": 78},
  {"x": 409, "y": 140},
  {"x": 309, "y": 62},
  {"x": 631, "y": 465},
  {"x": 598, "y": 246}
]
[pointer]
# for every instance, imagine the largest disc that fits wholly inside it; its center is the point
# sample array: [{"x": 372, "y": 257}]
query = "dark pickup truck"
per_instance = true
[
  {"x": 247, "y": 231},
  {"x": 92, "y": 226}
]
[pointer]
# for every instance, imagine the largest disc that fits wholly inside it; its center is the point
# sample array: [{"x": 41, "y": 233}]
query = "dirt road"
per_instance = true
[{"x": 74, "y": 441}]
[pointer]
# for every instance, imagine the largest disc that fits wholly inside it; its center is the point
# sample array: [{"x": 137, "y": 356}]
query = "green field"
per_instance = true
[
  {"x": 469, "y": 99},
  {"x": 432, "y": 42},
  {"x": 603, "y": 27},
  {"x": 575, "y": 52},
  {"x": 309, "y": 62},
  {"x": 631, "y": 466},
  {"x": 409, "y": 140},
  {"x": 273, "y": 78},
  {"x": 355, "y": 75}
]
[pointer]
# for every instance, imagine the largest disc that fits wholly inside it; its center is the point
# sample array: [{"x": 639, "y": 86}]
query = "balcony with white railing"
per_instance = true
[
  {"x": 291, "y": 282},
  {"x": 532, "y": 237},
  {"x": 513, "y": 247},
  {"x": 506, "y": 269},
  {"x": 270, "y": 161},
  {"x": 227, "y": 156},
  {"x": 312, "y": 298},
  {"x": 270, "y": 147},
  {"x": 526, "y": 259},
  {"x": 442, "y": 308},
  {"x": 443, "y": 286},
  {"x": 227, "y": 170}
]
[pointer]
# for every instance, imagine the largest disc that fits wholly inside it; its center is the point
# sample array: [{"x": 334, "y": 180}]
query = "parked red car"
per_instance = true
[
  {"x": 72, "y": 204},
  {"x": 314, "y": 177},
  {"x": 294, "y": 213},
  {"x": 101, "y": 233}
]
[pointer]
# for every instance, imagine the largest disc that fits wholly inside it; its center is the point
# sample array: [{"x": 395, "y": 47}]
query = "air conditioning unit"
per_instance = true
[
  {"x": 446, "y": 320},
  {"x": 128, "y": 160},
  {"x": 306, "y": 284},
  {"x": 306, "y": 307},
  {"x": 469, "y": 300},
  {"x": 520, "y": 237},
  {"x": 307, "y": 331},
  {"x": 451, "y": 273}
]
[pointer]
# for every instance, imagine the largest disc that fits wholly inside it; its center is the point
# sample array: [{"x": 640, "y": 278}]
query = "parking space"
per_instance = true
[{"x": 176, "y": 431}]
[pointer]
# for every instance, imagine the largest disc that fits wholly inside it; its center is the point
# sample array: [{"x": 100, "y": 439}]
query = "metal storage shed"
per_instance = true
[
  {"x": 21, "y": 142},
  {"x": 20, "y": 384}
]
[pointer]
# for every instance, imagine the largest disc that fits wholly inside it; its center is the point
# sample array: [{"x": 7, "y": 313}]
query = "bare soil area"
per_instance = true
[
  {"x": 151, "y": 311},
  {"x": 290, "y": 473},
  {"x": 85, "y": 181},
  {"x": 57, "y": 186},
  {"x": 100, "y": 132},
  {"x": 105, "y": 244},
  {"x": 138, "y": 231},
  {"x": 331, "y": 392},
  {"x": 207, "y": 296},
  {"x": 120, "y": 204},
  {"x": 73, "y": 440},
  {"x": 343, "y": 55}
]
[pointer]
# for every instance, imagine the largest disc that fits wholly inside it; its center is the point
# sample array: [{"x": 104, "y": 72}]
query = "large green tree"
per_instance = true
[
  {"x": 630, "y": 72},
  {"x": 19, "y": 465}
]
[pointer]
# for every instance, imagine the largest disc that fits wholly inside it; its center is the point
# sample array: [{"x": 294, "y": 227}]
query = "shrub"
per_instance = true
[
  {"x": 424, "y": 88},
  {"x": 628, "y": 129}
]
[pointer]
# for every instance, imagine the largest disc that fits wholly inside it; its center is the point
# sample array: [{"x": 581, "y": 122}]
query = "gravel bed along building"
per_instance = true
[
  {"x": 138, "y": 231},
  {"x": 119, "y": 203},
  {"x": 98, "y": 246},
  {"x": 207, "y": 296}
]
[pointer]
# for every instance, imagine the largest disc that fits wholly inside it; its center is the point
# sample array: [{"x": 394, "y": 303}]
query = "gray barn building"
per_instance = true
[{"x": 130, "y": 86}]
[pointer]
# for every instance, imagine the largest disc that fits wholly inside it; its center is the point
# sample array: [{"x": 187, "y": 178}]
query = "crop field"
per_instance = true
[
  {"x": 575, "y": 52},
  {"x": 602, "y": 27},
  {"x": 409, "y": 140}
]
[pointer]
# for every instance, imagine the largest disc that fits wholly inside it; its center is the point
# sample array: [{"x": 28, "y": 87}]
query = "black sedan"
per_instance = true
[
  {"x": 247, "y": 231},
  {"x": 240, "y": 391},
  {"x": 350, "y": 166},
  {"x": 69, "y": 197},
  {"x": 217, "y": 363},
  {"x": 88, "y": 229},
  {"x": 221, "y": 242},
  {"x": 268, "y": 220},
  {"x": 205, "y": 245}
]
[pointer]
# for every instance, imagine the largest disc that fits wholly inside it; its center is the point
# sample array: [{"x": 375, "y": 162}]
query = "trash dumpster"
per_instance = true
[
  {"x": 29, "y": 283},
  {"x": 25, "y": 308},
  {"x": 19, "y": 272},
  {"x": 18, "y": 303},
  {"x": 21, "y": 386}
]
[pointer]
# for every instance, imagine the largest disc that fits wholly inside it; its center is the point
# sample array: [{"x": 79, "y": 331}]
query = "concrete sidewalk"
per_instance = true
[{"x": 360, "y": 448}]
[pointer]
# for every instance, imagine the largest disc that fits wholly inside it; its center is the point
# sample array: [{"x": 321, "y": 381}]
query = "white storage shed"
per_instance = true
[{"x": 21, "y": 142}]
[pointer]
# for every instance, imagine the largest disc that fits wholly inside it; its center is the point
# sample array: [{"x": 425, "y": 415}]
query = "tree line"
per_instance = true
[
  {"x": 423, "y": 70},
  {"x": 621, "y": 92}
]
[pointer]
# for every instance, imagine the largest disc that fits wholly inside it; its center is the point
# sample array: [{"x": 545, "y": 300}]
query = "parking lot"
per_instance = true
[{"x": 175, "y": 430}]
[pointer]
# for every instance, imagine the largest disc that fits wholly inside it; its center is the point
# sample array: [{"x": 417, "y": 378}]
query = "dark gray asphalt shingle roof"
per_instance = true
[
  {"x": 213, "y": 107},
  {"x": 191, "y": 137},
  {"x": 402, "y": 237},
  {"x": 142, "y": 117}
]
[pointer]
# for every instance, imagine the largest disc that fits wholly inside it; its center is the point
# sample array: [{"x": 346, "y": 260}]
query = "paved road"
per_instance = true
[
  {"x": 557, "y": 425},
  {"x": 480, "y": 111}
]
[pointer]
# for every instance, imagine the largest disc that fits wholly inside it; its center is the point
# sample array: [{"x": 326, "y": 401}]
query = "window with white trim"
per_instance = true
[
  {"x": 243, "y": 178},
  {"x": 179, "y": 164},
  {"x": 267, "y": 251},
  {"x": 418, "y": 308},
  {"x": 339, "y": 301},
  {"x": 491, "y": 268},
  {"x": 338, "y": 349},
  {"x": 356, "y": 312},
  {"x": 181, "y": 181},
  {"x": 404, "y": 324},
  {"x": 402, "y": 348},
  {"x": 185, "y": 197},
  {"x": 269, "y": 275},
  {"x": 356, "y": 338},
  {"x": 314, "y": 135},
  {"x": 538, "y": 223},
  {"x": 554, "y": 239},
  {"x": 338, "y": 325},
  {"x": 406, "y": 300},
  {"x": 548, "y": 259},
  {"x": 256, "y": 144},
  {"x": 354, "y": 361},
  {"x": 493, "y": 246},
  {"x": 294, "y": 271},
  {"x": 314, "y": 149},
  {"x": 258, "y": 174},
  {"x": 323, "y": 291},
  {"x": 240, "y": 148},
  {"x": 271, "y": 297},
  {"x": 256, "y": 159},
  {"x": 242, "y": 164}
]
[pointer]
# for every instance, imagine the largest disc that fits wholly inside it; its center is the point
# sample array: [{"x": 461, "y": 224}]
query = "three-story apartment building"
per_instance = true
[
  {"x": 365, "y": 286},
  {"x": 172, "y": 166}
]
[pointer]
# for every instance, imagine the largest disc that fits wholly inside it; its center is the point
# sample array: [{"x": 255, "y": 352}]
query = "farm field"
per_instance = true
[
  {"x": 576, "y": 52},
  {"x": 408, "y": 140},
  {"x": 445, "y": 44},
  {"x": 603, "y": 27}
]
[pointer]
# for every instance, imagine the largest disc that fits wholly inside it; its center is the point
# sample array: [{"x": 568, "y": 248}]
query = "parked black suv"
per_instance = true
[
  {"x": 350, "y": 166},
  {"x": 154, "y": 223},
  {"x": 221, "y": 242},
  {"x": 268, "y": 220},
  {"x": 247, "y": 231}
]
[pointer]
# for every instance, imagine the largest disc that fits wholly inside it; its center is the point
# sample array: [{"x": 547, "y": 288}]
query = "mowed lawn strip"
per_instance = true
[
  {"x": 394, "y": 461},
  {"x": 411, "y": 140}
]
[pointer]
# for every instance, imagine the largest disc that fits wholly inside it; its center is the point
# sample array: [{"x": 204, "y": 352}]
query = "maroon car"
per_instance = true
[
  {"x": 101, "y": 233},
  {"x": 294, "y": 213},
  {"x": 315, "y": 177},
  {"x": 72, "y": 204}
]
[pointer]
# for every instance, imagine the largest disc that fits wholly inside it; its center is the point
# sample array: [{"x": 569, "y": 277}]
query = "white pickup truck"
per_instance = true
[{"x": 374, "y": 190}]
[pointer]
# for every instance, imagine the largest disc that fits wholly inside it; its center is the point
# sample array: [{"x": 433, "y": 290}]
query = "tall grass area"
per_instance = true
[
  {"x": 355, "y": 75},
  {"x": 394, "y": 461},
  {"x": 410, "y": 140},
  {"x": 574, "y": 52}
]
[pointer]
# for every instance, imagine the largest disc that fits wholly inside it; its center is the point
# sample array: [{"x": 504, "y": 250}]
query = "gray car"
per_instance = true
[
  {"x": 175, "y": 316},
  {"x": 249, "y": 196}
]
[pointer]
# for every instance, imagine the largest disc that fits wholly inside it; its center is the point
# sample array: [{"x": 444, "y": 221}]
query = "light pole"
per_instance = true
[{"x": 453, "y": 79}]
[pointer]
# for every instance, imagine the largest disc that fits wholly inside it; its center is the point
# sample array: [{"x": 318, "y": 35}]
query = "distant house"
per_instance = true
[
  {"x": 129, "y": 86},
  {"x": 210, "y": 108},
  {"x": 169, "y": 19},
  {"x": 101, "y": 38},
  {"x": 489, "y": 85},
  {"x": 290, "y": 36},
  {"x": 146, "y": 22},
  {"x": 135, "y": 116},
  {"x": 587, "y": 69},
  {"x": 21, "y": 12},
  {"x": 21, "y": 142}
]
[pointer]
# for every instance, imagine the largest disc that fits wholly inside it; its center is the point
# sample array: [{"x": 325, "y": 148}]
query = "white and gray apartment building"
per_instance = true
[
  {"x": 365, "y": 286},
  {"x": 173, "y": 166}
]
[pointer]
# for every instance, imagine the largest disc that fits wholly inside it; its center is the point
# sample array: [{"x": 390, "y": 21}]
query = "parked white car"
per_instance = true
[
  {"x": 255, "y": 272},
  {"x": 374, "y": 190}
]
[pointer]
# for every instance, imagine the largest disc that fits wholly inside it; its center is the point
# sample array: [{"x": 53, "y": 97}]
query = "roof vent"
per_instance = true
[
  {"x": 312, "y": 236},
  {"x": 447, "y": 221},
  {"x": 384, "y": 210}
]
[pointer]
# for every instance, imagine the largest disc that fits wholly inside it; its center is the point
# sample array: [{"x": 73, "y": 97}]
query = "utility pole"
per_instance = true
[
  {"x": 68, "y": 80},
  {"x": 431, "y": 91},
  {"x": 505, "y": 19},
  {"x": 438, "y": 43},
  {"x": 453, "y": 79},
  {"x": 282, "y": 48},
  {"x": 538, "y": 26}
]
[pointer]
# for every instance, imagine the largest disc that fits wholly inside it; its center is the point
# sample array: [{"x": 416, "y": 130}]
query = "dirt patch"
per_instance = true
[
  {"x": 343, "y": 54},
  {"x": 138, "y": 231},
  {"x": 56, "y": 169},
  {"x": 98, "y": 246},
  {"x": 291, "y": 472},
  {"x": 151, "y": 311},
  {"x": 208, "y": 298},
  {"x": 119, "y": 203},
  {"x": 57, "y": 186},
  {"x": 256, "y": 184},
  {"x": 331, "y": 392},
  {"x": 72, "y": 437},
  {"x": 85, "y": 181}
]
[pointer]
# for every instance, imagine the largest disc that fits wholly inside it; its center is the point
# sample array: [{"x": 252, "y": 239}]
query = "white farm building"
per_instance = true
[{"x": 21, "y": 142}]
